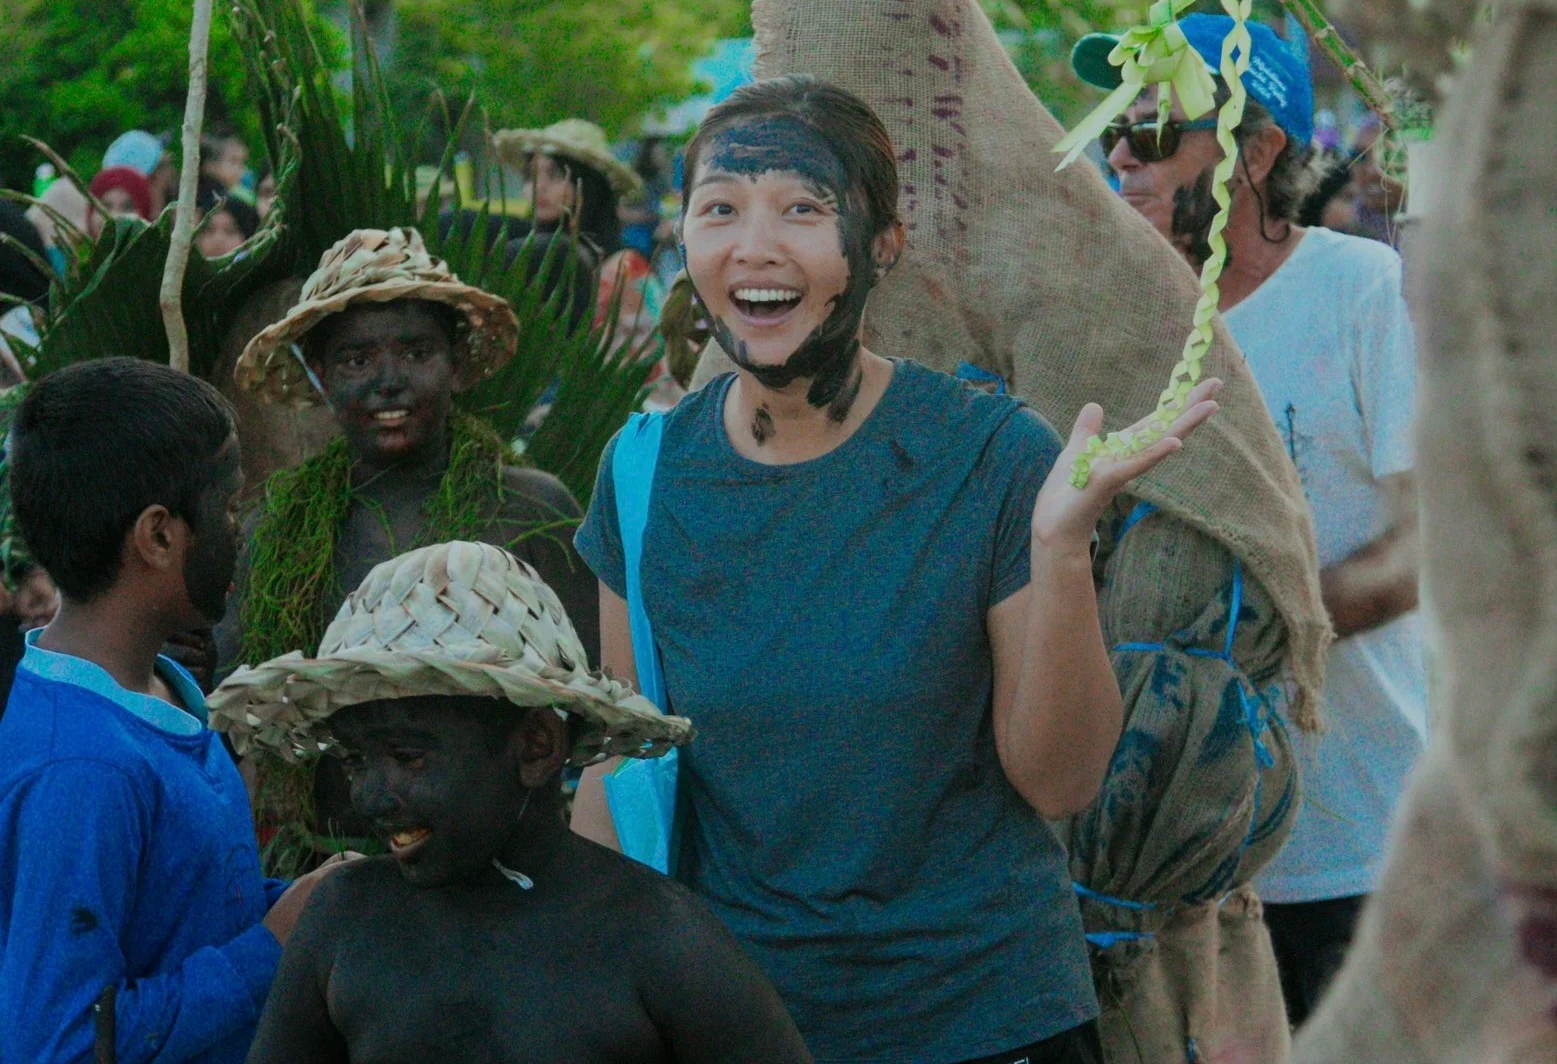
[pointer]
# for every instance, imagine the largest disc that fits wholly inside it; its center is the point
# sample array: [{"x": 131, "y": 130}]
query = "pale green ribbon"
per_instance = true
[
  {"x": 1187, "y": 372},
  {"x": 1155, "y": 54}
]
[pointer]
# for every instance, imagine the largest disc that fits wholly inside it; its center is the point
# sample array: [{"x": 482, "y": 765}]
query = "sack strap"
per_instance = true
[{"x": 632, "y": 477}]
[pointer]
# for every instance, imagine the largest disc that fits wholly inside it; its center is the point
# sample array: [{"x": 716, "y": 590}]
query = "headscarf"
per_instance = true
[{"x": 129, "y": 179}]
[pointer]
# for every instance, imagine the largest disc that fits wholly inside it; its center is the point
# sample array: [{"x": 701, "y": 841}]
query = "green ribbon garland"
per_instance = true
[{"x": 1156, "y": 55}]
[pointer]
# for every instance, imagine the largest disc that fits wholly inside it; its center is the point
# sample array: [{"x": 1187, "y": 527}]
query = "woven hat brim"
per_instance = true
[
  {"x": 514, "y": 145},
  {"x": 283, "y": 704},
  {"x": 268, "y": 368}
]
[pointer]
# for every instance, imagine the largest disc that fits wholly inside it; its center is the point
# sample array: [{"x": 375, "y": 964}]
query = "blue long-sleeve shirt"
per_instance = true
[{"x": 127, "y": 859}]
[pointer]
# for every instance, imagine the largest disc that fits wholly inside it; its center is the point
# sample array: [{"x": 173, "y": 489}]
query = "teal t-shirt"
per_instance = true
[{"x": 824, "y": 626}]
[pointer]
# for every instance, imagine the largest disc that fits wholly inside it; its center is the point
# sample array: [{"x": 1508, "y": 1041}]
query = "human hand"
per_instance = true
[
  {"x": 283, "y": 915},
  {"x": 1065, "y": 516},
  {"x": 196, "y": 651}
]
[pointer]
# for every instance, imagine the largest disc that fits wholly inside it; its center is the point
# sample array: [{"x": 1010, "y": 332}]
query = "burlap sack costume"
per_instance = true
[
  {"x": 1050, "y": 281},
  {"x": 1435, "y": 975}
]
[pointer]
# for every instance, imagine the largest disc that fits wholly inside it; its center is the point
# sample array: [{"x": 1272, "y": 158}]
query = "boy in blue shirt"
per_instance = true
[{"x": 131, "y": 898}]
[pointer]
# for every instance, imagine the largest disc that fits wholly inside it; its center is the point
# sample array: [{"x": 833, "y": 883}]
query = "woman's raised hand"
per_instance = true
[{"x": 1065, "y": 516}]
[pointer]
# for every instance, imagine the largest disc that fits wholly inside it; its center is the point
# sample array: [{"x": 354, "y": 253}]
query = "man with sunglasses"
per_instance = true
[{"x": 1321, "y": 320}]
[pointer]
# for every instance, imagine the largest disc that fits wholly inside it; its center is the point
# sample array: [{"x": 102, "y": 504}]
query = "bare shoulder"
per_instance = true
[
  {"x": 359, "y": 892},
  {"x": 530, "y": 494},
  {"x": 651, "y": 899}
]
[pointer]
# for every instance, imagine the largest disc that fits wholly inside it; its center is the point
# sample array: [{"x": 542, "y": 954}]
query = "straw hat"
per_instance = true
[
  {"x": 451, "y": 619},
  {"x": 572, "y": 138},
  {"x": 374, "y": 266}
]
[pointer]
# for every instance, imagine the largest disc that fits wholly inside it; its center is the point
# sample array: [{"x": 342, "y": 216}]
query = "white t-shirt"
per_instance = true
[{"x": 1329, "y": 342}]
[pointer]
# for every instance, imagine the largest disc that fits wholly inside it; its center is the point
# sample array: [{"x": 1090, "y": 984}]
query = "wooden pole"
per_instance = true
[{"x": 188, "y": 180}]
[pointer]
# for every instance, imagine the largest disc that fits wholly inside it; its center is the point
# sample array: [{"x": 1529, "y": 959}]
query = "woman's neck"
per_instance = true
[{"x": 778, "y": 426}]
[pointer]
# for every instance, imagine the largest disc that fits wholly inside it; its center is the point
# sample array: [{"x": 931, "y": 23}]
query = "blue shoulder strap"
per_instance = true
[{"x": 632, "y": 476}]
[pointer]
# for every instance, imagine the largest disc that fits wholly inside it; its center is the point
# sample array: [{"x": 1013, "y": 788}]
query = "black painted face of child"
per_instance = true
[
  {"x": 388, "y": 371},
  {"x": 442, "y": 784},
  {"x": 213, "y": 544},
  {"x": 782, "y": 257}
]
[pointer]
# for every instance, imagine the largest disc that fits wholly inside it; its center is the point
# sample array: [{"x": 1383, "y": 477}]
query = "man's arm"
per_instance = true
[
  {"x": 710, "y": 1003},
  {"x": 74, "y": 893},
  {"x": 296, "y": 1027},
  {"x": 1378, "y": 583}
]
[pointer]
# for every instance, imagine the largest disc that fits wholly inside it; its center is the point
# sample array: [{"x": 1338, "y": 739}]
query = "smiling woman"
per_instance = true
[
  {"x": 877, "y": 604},
  {"x": 787, "y": 230}
]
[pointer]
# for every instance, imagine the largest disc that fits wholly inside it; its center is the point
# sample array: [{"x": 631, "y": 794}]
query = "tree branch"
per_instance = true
[
  {"x": 184, "y": 214},
  {"x": 1367, "y": 84}
]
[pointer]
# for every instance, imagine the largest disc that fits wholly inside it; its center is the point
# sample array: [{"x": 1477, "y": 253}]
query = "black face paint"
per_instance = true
[
  {"x": 213, "y": 546},
  {"x": 425, "y": 764},
  {"x": 1193, "y": 211},
  {"x": 762, "y": 426},
  {"x": 829, "y": 357}
]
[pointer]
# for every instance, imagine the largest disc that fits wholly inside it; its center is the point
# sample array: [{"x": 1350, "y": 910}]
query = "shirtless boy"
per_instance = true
[{"x": 491, "y": 932}]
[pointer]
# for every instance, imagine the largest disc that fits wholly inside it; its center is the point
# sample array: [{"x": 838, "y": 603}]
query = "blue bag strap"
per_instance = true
[{"x": 632, "y": 477}]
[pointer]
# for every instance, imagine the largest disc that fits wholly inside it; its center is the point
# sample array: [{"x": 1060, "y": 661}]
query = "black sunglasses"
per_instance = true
[{"x": 1149, "y": 141}]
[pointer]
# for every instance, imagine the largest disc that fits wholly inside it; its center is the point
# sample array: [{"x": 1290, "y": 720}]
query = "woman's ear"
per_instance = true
[
  {"x": 889, "y": 248},
  {"x": 542, "y": 741}
]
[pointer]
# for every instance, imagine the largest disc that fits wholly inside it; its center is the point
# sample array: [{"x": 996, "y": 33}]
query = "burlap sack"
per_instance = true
[
  {"x": 1200, "y": 796},
  {"x": 1052, "y": 282},
  {"x": 1205, "y": 994},
  {"x": 1436, "y": 976}
]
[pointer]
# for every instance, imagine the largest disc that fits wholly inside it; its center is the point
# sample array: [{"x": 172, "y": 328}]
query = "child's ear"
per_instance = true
[
  {"x": 542, "y": 741},
  {"x": 157, "y": 538}
]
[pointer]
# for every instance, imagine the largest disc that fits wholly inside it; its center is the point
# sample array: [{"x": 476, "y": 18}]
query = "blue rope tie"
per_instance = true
[
  {"x": 969, "y": 372},
  {"x": 1254, "y": 719},
  {"x": 1121, "y": 903},
  {"x": 1142, "y": 511}
]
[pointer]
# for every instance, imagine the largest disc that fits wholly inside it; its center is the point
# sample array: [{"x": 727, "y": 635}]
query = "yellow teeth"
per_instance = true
[
  {"x": 390, "y": 415},
  {"x": 409, "y": 838}
]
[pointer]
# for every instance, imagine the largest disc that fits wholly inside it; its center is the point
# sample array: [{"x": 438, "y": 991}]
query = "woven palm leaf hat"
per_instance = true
[
  {"x": 572, "y": 138},
  {"x": 375, "y": 266},
  {"x": 450, "y": 619}
]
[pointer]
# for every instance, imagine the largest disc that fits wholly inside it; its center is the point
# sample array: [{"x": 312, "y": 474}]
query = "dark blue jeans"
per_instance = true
[{"x": 1079, "y": 1045}]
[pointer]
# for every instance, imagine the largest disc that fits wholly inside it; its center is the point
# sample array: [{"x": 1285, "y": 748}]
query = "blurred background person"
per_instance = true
[
  {"x": 147, "y": 156},
  {"x": 225, "y": 221},
  {"x": 123, "y": 192},
  {"x": 224, "y": 158}
]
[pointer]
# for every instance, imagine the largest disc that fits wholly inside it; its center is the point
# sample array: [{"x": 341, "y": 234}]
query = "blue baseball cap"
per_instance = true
[{"x": 1277, "y": 78}]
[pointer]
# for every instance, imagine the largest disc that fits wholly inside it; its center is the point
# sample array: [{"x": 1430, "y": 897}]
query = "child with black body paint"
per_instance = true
[
  {"x": 491, "y": 932},
  {"x": 880, "y": 581}
]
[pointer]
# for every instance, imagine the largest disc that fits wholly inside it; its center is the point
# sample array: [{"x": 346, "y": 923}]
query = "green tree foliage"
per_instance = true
[
  {"x": 77, "y": 73},
  {"x": 533, "y": 62}
]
